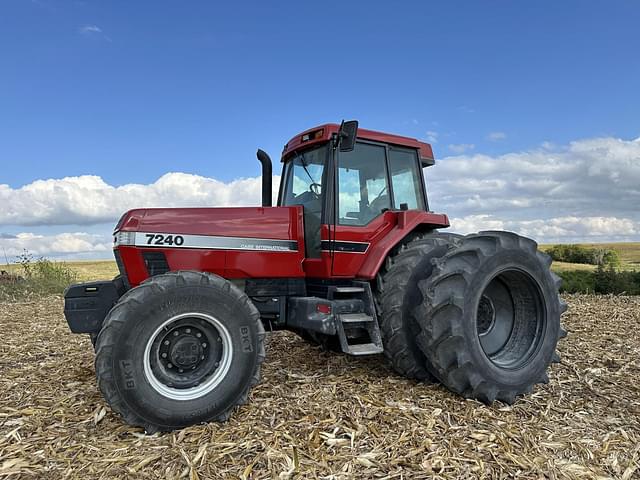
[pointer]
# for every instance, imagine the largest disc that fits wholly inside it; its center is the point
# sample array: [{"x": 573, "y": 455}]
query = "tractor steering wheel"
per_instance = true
[{"x": 316, "y": 189}]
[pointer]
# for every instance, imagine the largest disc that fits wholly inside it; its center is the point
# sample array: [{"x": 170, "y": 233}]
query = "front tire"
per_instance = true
[
  {"x": 490, "y": 317},
  {"x": 180, "y": 349}
]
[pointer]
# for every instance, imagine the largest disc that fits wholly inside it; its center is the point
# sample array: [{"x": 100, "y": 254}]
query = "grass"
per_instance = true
[
  {"x": 85, "y": 271},
  {"x": 31, "y": 276},
  {"x": 97, "y": 270},
  {"x": 629, "y": 253},
  {"x": 41, "y": 276},
  {"x": 571, "y": 267}
]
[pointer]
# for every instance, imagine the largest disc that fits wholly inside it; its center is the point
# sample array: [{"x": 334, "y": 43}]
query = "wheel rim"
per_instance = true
[
  {"x": 188, "y": 356},
  {"x": 510, "y": 319}
]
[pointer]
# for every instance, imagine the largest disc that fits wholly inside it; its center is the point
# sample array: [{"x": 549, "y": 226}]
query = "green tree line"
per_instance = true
[
  {"x": 580, "y": 254},
  {"x": 604, "y": 280}
]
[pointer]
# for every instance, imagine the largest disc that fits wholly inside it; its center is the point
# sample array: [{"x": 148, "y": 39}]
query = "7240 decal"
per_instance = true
[{"x": 159, "y": 239}]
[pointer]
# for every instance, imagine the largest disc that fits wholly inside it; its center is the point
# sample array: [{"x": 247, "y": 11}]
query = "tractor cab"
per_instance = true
[{"x": 346, "y": 179}]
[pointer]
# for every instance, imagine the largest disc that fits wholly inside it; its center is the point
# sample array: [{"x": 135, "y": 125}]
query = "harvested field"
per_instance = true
[{"x": 319, "y": 415}]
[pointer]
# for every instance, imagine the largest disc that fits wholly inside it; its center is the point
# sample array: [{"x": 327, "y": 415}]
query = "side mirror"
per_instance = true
[{"x": 347, "y": 135}]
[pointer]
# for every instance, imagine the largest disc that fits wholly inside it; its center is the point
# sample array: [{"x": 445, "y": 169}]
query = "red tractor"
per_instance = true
[{"x": 350, "y": 259}]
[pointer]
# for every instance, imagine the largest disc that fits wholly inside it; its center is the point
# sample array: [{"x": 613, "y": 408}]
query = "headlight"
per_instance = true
[{"x": 124, "y": 238}]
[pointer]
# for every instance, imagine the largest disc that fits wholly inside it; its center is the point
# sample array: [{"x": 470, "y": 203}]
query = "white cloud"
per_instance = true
[
  {"x": 559, "y": 229},
  {"x": 87, "y": 200},
  {"x": 89, "y": 29},
  {"x": 63, "y": 244},
  {"x": 587, "y": 190},
  {"x": 93, "y": 30},
  {"x": 496, "y": 136},
  {"x": 475, "y": 223},
  {"x": 461, "y": 147},
  {"x": 432, "y": 136}
]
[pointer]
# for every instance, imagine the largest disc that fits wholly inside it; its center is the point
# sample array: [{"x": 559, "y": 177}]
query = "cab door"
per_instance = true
[{"x": 373, "y": 181}]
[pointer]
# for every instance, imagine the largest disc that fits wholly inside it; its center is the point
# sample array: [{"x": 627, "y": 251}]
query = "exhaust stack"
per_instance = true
[{"x": 266, "y": 177}]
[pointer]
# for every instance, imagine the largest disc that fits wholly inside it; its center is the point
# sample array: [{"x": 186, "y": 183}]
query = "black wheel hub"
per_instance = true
[
  {"x": 186, "y": 353},
  {"x": 486, "y": 315},
  {"x": 510, "y": 319}
]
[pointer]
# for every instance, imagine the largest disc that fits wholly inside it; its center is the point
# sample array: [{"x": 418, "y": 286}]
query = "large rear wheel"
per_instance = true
[
  {"x": 490, "y": 317},
  {"x": 397, "y": 295},
  {"x": 182, "y": 348}
]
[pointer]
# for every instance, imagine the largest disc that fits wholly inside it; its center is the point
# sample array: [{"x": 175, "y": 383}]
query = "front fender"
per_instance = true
[{"x": 87, "y": 304}]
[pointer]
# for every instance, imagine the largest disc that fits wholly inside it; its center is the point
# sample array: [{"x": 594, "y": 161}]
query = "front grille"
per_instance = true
[
  {"x": 121, "y": 269},
  {"x": 156, "y": 263}
]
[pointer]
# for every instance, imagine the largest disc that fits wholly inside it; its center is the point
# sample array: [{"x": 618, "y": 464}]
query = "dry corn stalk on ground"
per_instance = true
[{"x": 320, "y": 415}]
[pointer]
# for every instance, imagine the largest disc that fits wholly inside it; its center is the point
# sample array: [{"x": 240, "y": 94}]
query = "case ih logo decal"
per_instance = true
[{"x": 175, "y": 240}]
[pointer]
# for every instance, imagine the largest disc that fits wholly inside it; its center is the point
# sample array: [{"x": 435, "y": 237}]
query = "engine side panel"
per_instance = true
[{"x": 251, "y": 242}]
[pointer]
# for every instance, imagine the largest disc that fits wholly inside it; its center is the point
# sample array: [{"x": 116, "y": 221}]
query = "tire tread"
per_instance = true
[
  {"x": 440, "y": 315},
  {"x": 114, "y": 323},
  {"x": 392, "y": 283}
]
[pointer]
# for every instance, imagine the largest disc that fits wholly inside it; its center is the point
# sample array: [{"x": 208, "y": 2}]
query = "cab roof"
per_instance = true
[{"x": 323, "y": 133}]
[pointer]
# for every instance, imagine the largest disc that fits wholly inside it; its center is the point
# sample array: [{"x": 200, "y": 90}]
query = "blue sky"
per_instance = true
[
  {"x": 198, "y": 86},
  {"x": 129, "y": 91}
]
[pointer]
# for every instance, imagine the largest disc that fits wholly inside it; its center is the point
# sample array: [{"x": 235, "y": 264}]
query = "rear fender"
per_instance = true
[{"x": 407, "y": 222}]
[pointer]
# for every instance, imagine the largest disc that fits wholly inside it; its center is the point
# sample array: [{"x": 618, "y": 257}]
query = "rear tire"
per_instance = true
[
  {"x": 397, "y": 295},
  {"x": 490, "y": 317},
  {"x": 180, "y": 349}
]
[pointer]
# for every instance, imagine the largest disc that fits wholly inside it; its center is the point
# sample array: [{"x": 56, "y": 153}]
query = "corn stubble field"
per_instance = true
[{"x": 324, "y": 415}]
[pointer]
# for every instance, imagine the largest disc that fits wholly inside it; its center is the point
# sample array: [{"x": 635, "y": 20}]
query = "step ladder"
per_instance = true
[{"x": 358, "y": 332}]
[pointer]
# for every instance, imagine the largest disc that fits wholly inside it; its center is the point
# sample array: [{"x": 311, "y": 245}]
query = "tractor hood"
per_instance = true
[
  {"x": 233, "y": 242},
  {"x": 278, "y": 223}
]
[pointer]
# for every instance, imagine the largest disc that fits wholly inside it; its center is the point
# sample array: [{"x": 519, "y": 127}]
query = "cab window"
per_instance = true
[
  {"x": 303, "y": 186},
  {"x": 363, "y": 192},
  {"x": 405, "y": 179},
  {"x": 304, "y": 180}
]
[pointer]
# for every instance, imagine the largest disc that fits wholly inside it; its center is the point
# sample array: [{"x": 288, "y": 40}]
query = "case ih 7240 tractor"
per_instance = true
[{"x": 350, "y": 259}]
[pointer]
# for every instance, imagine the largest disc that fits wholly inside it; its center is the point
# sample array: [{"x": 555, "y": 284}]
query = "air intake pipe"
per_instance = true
[{"x": 266, "y": 177}]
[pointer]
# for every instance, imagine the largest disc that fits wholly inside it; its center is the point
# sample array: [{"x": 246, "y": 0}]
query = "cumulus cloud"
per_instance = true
[
  {"x": 87, "y": 199},
  {"x": 63, "y": 244},
  {"x": 555, "y": 230},
  {"x": 587, "y": 190}
]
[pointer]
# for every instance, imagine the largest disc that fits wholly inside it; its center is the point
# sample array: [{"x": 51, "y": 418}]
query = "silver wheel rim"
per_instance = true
[{"x": 207, "y": 386}]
